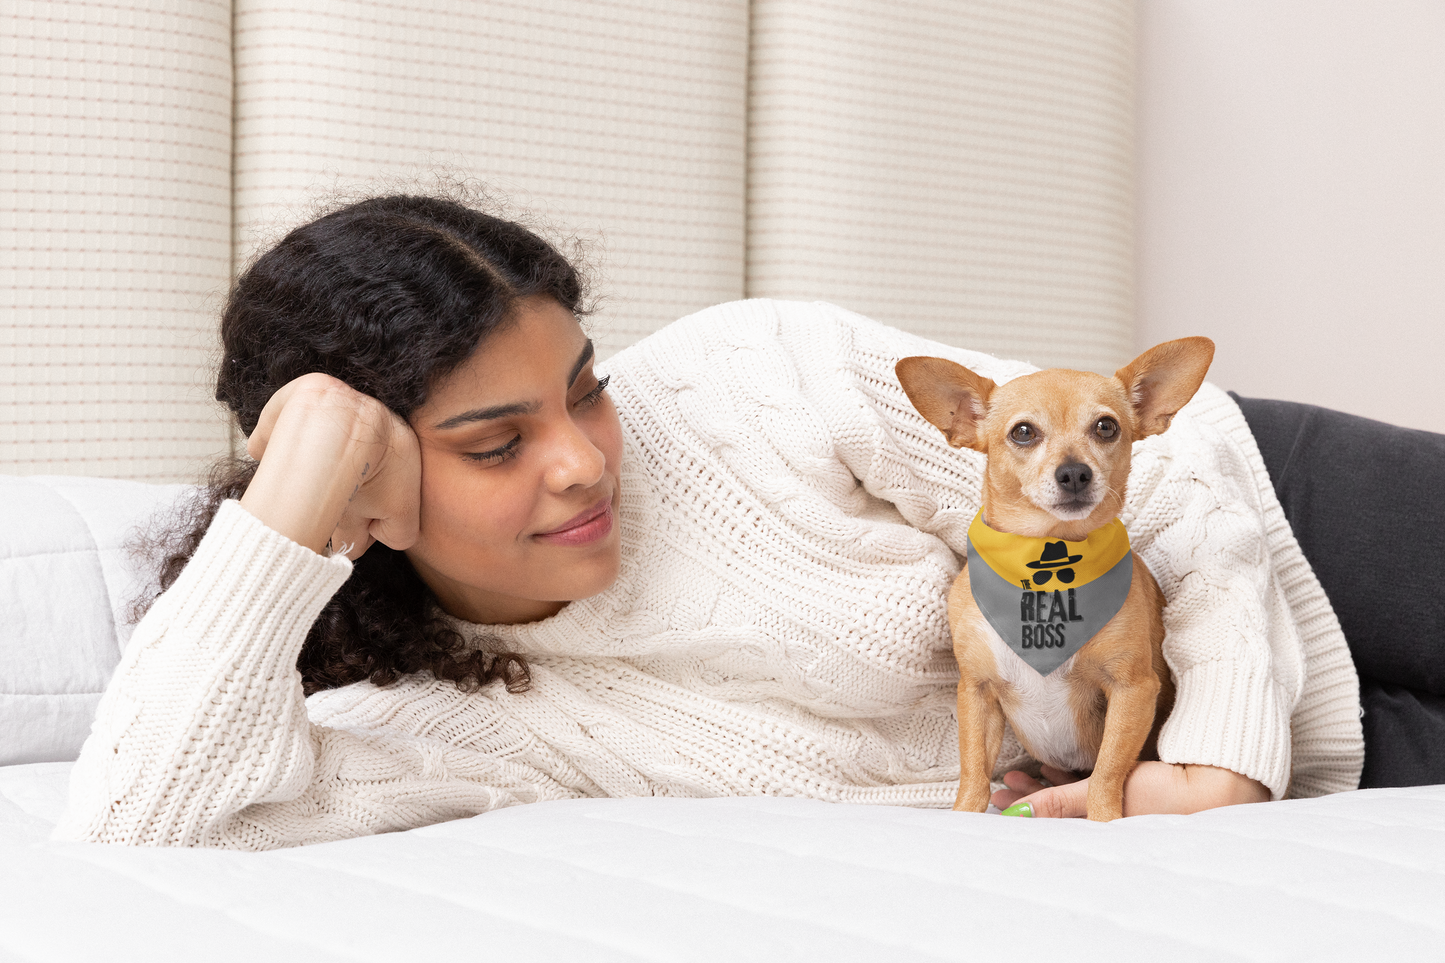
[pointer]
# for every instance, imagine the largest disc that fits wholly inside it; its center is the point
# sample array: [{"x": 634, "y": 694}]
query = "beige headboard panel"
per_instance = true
[
  {"x": 623, "y": 120},
  {"x": 960, "y": 169},
  {"x": 115, "y": 221},
  {"x": 955, "y": 167}
]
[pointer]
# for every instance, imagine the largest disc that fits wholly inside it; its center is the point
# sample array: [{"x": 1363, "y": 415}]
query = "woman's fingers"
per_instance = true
[
  {"x": 316, "y": 392},
  {"x": 1059, "y": 777},
  {"x": 391, "y": 499},
  {"x": 1021, "y": 782},
  {"x": 1061, "y": 802},
  {"x": 335, "y": 464},
  {"x": 352, "y": 537},
  {"x": 1020, "y": 785},
  {"x": 266, "y": 424}
]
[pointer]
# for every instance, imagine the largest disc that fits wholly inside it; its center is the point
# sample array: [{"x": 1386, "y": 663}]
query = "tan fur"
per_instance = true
[{"x": 1119, "y": 686}]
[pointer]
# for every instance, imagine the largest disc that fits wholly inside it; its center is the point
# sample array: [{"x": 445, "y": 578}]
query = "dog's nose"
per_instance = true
[{"x": 1074, "y": 478}]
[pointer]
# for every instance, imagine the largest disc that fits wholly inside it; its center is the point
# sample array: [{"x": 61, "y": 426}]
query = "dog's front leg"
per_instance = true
[
  {"x": 980, "y": 733},
  {"x": 1127, "y": 722}
]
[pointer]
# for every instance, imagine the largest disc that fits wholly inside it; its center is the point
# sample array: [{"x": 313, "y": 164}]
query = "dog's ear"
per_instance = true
[
  {"x": 1162, "y": 380},
  {"x": 952, "y": 398}
]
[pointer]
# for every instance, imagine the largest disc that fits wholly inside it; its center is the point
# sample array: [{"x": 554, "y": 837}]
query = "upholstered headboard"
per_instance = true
[{"x": 961, "y": 169}]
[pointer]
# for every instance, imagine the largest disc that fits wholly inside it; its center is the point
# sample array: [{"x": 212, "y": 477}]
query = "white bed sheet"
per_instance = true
[{"x": 1358, "y": 876}]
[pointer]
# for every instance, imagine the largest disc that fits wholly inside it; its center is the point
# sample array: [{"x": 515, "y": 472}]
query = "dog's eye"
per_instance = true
[
  {"x": 1106, "y": 428},
  {"x": 1023, "y": 433}
]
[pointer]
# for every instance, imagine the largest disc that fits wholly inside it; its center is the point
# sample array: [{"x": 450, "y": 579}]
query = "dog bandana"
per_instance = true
[{"x": 1047, "y": 598}]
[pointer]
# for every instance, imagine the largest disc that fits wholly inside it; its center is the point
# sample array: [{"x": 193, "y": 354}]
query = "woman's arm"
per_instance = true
[
  {"x": 1153, "y": 787},
  {"x": 202, "y": 737}
]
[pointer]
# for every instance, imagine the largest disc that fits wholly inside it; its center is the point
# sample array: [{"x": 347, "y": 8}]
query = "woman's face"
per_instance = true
[{"x": 520, "y": 449}]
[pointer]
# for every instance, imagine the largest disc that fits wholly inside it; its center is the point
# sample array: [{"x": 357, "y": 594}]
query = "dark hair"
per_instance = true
[{"x": 388, "y": 295}]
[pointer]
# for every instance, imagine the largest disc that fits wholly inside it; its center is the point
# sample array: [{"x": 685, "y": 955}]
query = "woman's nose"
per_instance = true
[{"x": 575, "y": 460}]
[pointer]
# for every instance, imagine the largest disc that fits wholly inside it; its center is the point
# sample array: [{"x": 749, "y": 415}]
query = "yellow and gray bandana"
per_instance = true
[{"x": 1047, "y": 598}]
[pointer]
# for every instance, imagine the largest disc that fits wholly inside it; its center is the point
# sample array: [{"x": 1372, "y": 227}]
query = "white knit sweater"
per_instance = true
[{"x": 790, "y": 529}]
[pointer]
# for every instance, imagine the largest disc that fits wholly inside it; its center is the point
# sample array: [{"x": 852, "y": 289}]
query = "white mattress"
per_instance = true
[{"x": 1357, "y": 876}]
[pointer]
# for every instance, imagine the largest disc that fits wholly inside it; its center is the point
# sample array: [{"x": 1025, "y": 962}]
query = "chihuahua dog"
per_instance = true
[{"x": 1056, "y": 624}]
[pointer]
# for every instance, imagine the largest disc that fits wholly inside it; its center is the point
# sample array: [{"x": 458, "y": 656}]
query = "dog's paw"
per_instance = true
[
  {"x": 972, "y": 800},
  {"x": 1105, "y": 813}
]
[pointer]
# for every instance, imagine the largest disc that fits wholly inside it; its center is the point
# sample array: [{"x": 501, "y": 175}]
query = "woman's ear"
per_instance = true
[
  {"x": 952, "y": 398},
  {"x": 1162, "y": 380}
]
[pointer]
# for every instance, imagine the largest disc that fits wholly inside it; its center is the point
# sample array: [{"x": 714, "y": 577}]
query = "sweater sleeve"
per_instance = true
[
  {"x": 1193, "y": 512},
  {"x": 1195, "y": 517},
  {"x": 202, "y": 736},
  {"x": 845, "y": 363}
]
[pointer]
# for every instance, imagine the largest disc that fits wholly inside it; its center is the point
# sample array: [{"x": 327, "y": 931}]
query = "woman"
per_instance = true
[{"x": 723, "y": 571}]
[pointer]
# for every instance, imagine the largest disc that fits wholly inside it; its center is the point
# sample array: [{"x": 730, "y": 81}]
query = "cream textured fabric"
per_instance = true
[
  {"x": 115, "y": 221},
  {"x": 789, "y": 525},
  {"x": 960, "y": 168},
  {"x": 618, "y": 119}
]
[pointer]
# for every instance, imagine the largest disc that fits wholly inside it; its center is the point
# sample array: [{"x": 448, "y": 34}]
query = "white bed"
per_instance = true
[{"x": 1355, "y": 876}]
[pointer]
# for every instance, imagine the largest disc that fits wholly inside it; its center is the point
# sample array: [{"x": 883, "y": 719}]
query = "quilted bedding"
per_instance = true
[{"x": 1357, "y": 876}]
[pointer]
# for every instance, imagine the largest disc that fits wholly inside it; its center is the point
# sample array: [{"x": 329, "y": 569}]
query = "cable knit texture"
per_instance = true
[{"x": 790, "y": 529}]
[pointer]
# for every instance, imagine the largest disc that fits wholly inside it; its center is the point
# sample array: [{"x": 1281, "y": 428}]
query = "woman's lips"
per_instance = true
[{"x": 589, "y": 526}]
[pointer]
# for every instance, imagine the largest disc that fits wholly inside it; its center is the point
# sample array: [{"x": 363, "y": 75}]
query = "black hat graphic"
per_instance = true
[{"x": 1055, "y": 554}]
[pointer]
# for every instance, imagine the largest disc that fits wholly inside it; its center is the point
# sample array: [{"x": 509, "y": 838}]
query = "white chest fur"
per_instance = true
[{"x": 1040, "y": 712}]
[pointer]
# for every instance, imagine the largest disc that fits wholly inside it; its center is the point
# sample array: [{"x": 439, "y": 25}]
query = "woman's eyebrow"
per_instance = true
[
  {"x": 516, "y": 407},
  {"x": 588, "y": 351},
  {"x": 488, "y": 414}
]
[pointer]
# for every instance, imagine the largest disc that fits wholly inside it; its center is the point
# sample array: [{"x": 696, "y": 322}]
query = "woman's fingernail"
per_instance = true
[{"x": 1020, "y": 809}]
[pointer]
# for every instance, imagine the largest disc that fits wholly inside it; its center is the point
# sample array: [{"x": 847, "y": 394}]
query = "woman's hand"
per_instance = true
[
  {"x": 337, "y": 466},
  {"x": 1153, "y": 787}
]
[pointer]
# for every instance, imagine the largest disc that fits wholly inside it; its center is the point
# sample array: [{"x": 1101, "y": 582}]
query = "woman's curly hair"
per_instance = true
[{"x": 388, "y": 295}]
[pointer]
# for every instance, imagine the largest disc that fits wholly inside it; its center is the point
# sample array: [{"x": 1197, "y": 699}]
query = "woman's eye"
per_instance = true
[
  {"x": 1106, "y": 428},
  {"x": 595, "y": 395},
  {"x": 1024, "y": 433},
  {"x": 497, "y": 455}
]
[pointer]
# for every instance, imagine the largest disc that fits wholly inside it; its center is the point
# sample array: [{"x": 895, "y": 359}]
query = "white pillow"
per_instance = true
[{"x": 65, "y": 586}]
